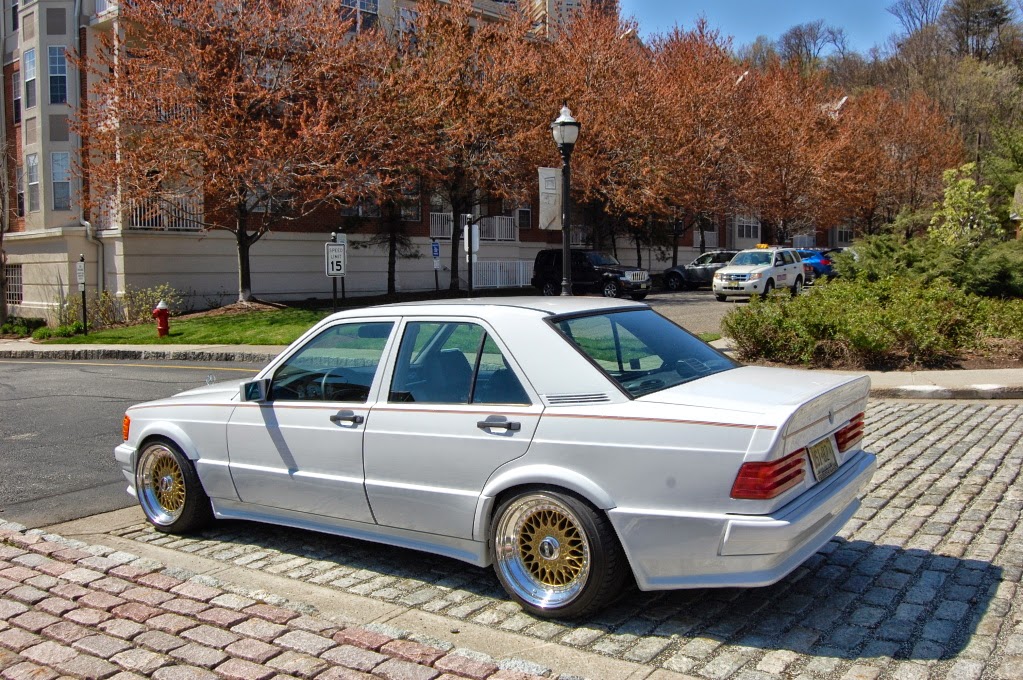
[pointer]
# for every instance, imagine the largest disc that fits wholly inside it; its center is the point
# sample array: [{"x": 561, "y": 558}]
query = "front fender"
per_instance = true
[
  {"x": 214, "y": 473},
  {"x": 535, "y": 475},
  {"x": 171, "y": 431}
]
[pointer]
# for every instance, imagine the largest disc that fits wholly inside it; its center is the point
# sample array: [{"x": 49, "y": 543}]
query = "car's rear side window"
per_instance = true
[{"x": 641, "y": 350}]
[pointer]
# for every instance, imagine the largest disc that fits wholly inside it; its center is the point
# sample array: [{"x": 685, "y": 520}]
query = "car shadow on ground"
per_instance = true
[{"x": 852, "y": 600}]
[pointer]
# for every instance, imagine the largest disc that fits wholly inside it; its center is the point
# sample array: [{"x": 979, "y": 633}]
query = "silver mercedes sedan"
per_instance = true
[{"x": 572, "y": 443}]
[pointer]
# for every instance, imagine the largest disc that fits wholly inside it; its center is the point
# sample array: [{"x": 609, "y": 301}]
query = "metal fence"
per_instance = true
[{"x": 502, "y": 273}]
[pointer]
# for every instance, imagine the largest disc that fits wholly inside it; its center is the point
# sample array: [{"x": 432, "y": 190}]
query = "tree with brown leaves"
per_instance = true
[
  {"x": 472, "y": 84},
  {"x": 256, "y": 109}
]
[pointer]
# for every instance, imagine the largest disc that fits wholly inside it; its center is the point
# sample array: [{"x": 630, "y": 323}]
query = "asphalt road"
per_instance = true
[
  {"x": 60, "y": 422},
  {"x": 697, "y": 311}
]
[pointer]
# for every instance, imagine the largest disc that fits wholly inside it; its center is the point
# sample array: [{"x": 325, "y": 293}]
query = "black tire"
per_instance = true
[
  {"x": 674, "y": 281},
  {"x": 720, "y": 298},
  {"x": 798, "y": 287},
  {"x": 550, "y": 288},
  {"x": 555, "y": 554},
  {"x": 768, "y": 287},
  {"x": 169, "y": 489},
  {"x": 611, "y": 289},
  {"x": 638, "y": 296}
]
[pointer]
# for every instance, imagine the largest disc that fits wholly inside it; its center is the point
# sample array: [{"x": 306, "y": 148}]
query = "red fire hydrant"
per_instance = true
[{"x": 162, "y": 316}]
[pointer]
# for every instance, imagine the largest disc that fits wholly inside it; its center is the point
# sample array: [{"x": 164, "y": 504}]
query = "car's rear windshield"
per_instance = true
[
  {"x": 640, "y": 350},
  {"x": 752, "y": 257}
]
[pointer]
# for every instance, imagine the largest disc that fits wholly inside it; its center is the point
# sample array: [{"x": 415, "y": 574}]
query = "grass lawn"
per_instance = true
[
  {"x": 257, "y": 327},
  {"x": 276, "y": 327}
]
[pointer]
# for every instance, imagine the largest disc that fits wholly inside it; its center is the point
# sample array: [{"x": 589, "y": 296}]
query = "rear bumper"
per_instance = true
[{"x": 669, "y": 550}]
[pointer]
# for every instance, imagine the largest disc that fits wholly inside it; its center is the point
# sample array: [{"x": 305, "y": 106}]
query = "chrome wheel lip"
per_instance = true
[
  {"x": 513, "y": 569},
  {"x": 153, "y": 479}
]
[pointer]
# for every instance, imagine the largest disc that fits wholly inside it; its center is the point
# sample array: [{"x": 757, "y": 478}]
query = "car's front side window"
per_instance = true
[
  {"x": 336, "y": 365},
  {"x": 641, "y": 350}
]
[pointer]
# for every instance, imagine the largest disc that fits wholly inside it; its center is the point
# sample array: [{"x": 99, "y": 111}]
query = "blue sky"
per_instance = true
[{"x": 866, "y": 22}]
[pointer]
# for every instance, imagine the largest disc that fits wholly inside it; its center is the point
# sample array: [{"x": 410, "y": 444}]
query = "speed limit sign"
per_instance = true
[{"x": 337, "y": 257}]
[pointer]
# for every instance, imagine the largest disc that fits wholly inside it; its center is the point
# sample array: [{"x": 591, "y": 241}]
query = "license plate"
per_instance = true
[
  {"x": 822, "y": 459},
  {"x": 733, "y": 287}
]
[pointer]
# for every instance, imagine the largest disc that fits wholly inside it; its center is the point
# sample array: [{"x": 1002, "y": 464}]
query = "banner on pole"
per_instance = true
[{"x": 550, "y": 198}]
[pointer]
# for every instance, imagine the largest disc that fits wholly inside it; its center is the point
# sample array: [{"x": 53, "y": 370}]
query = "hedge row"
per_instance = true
[{"x": 884, "y": 324}]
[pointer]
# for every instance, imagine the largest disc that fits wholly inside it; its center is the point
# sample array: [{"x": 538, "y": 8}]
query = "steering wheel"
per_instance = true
[{"x": 337, "y": 378}]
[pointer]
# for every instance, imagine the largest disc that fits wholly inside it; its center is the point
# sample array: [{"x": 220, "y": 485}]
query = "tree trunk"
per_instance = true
[
  {"x": 244, "y": 243},
  {"x": 392, "y": 248},
  {"x": 458, "y": 205}
]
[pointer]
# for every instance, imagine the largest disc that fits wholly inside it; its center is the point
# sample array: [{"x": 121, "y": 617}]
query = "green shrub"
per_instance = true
[
  {"x": 43, "y": 333},
  {"x": 992, "y": 268},
  {"x": 21, "y": 326},
  {"x": 134, "y": 306},
  {"x": 883, "y": 324}
]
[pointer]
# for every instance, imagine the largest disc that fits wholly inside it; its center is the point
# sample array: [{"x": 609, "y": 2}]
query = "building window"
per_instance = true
[
  {"x": 844, "y": 235},
  {"x": 747, "y": 227},
  {"x": 32, "y": 169},
  {"x": 58, "y": 75},
  {"x": 16, "y": 96},
  {"x": 29, "y": 65},
  {"x": 19, "y": 179},
  {"x": 60, "y": 174},
  {"x": 14, "y": 15},
  {"x": 524, "y": 218},
  {"x": 15, "y": 294}
]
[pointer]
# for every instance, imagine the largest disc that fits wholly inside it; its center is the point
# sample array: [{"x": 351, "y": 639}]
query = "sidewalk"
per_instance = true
[
  {"x": 952, "y": 384},
  {"x": 70, "y": 608}
]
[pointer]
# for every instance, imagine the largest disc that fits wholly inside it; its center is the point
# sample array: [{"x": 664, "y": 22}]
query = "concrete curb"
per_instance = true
[
  {"x": 966, "y": 392},
  {"x": 138, "y": 355}
]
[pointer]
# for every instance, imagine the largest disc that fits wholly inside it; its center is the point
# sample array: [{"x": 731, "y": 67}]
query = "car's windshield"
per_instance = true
[
  {"x": 600, "y": 259},
  {"x": 642, "y": 351},
  {"x": 752, "y": 257}
]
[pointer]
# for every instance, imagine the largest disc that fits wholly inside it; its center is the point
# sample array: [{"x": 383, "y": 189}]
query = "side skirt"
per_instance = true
[{"x": 473, "y": 552}]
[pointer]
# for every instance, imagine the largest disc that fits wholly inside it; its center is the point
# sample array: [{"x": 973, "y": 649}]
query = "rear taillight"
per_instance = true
[
  {"x": 125, "y": 427},
  {"x": 761, "y": 481},
  {"x": 850, "y": 435},
  {"x": 825, "y": 262}
]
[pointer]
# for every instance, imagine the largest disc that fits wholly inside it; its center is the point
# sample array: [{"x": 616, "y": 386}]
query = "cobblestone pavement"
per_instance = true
[
  {"x": 922, "y": 583},
  {"x": 87, "y": 612}
]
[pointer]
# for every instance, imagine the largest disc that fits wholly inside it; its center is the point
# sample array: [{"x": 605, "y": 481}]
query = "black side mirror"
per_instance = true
[{"x": 255, "y": 390}]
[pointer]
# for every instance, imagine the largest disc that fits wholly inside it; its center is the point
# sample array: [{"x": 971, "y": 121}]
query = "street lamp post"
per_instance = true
[{"x": 566, "y": 131}]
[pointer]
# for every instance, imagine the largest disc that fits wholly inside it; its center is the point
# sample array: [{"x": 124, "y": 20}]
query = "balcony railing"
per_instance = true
[
  {"x": 104, "y": 5},
  {"x": 182, "y": 214},
  {"x": 491, "y": 228}
]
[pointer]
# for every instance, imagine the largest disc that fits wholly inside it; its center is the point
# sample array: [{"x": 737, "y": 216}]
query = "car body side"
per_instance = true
[{"x": 661, "y": 466}]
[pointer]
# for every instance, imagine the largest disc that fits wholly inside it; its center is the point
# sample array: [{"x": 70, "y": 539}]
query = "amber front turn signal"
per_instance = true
[{"x": 125, "y": 426}]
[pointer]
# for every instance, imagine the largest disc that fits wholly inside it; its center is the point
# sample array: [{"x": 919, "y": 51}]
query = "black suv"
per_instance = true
[{"x": 592, "y": 271}]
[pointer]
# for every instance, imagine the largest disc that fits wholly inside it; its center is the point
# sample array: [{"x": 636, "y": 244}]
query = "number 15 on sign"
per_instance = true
[{"x": 337, "y": 258}]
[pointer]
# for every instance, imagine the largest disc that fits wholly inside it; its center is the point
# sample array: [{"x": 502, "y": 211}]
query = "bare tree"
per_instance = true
[
  {"x": 805, "y": 43},
  {"x": 916, "y": 14}
]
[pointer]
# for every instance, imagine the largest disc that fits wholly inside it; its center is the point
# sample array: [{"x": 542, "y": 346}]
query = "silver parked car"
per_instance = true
[{"x": 572, "y": 443}]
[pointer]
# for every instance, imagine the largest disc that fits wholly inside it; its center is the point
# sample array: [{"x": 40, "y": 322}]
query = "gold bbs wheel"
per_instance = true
[
  {"x": 168, "y": 489},
  {"x": 542, "y": 551}
]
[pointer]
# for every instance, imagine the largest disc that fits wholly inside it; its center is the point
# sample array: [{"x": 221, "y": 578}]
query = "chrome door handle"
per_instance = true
[
  {"x": 494, "y": 424},
  {"x": 339, "y": 418}
]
